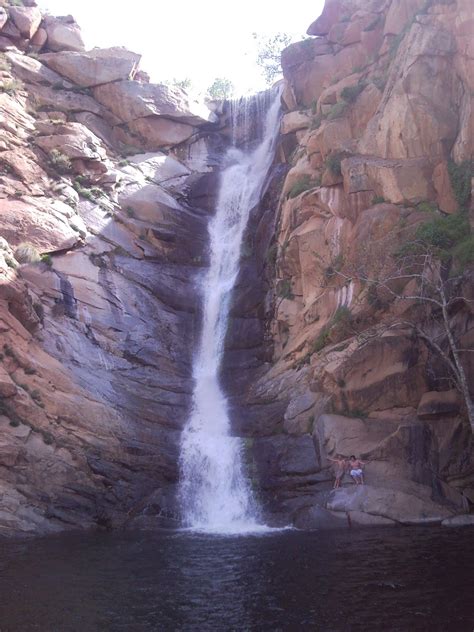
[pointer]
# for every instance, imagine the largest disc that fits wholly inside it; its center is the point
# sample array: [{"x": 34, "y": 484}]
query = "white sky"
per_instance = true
[{"x": 201, "y": 39}]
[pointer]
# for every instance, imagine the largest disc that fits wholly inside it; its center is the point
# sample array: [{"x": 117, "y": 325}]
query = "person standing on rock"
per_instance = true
[
  {"x": 339, "y": 469},
  {"x": 356, "y": 471}
]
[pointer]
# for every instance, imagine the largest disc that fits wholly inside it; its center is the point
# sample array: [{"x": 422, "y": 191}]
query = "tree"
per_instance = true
[
  {"x": 269, "y": 54},
  {"x": 185, "y": 84},
  {"x": 429, "y": 276},
  {"x": 220, "y": 89}
]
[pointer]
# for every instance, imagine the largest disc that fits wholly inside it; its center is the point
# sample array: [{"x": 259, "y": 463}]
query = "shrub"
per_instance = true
[
  {"x": 337, "y": 110},
  {"x": 47, "y": 437},
  {"x": 322, "y": 340},
  {"x": 378, "y": 199},
  {"x": 333, "y": 163},
  {"x": 463, "y": 253},
  {"x": 460, "y": 177},
  {"x": 427, "y": 207},
  {"x": 303, "y": 185},
  {"x": 60, "y": 161},
  {"x": 350, "y": 93},
  {"x": 334, "y": 267},
  {"x": 27, "y": 253},
  {"x": 11, "y": 263},
  {"x": 284, "y": 289},
  {"x": 11, "y": 86},
  {"x": 373, "y": 25},
  {"x": 272, "y": 254},
  {"x": 379, "y": 82},
  {"x": 444, "y": 232},
  {"x": 316, "y": 121},
  {"x": 47, "y": 259},
  {"x": 130, "y": 212},
  {"x": 4, "y": 63}
]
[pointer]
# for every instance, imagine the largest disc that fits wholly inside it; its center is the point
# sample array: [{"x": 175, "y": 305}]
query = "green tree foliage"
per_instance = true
[
  {"x": 269, "y": 54},
  {"x": 220, "y": 89}
]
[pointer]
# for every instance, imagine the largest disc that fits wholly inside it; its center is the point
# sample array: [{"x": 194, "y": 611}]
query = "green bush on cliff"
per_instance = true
[
  {"x": 304, "y": 184},
  {"x": 11, "y": 86},
  {"x": 333, "y": 163},
  {"x": 350, "y": 93},
  {"x": 444, "y": 233},
  {"x": 460, "y": 176},
  {"x": 463, "y": 253},
  {"x": 60, "y": 161},
  {"x": 337, "y": 110},
  {"x": 284, "y": 289}
]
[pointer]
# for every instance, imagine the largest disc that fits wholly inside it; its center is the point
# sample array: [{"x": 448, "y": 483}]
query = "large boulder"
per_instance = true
[
  {"x": 31, "y": 70},
  {"x": 130, "y": 100},
  {"x": 92, "y": 68},
  {"x": 63, "y": 33},
  {"x": 400, "y": 506},
  {"x": 73, "y": 140},
  {"x": 156, "y": 132},
  {"x": 37, "y": 221},
  {"x": 26, "y": 19}
]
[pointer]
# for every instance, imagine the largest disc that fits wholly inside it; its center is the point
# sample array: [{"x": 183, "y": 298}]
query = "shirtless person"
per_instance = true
[
  {"x": 355, "y": 466},
  {"x": 339, "y": 469}
]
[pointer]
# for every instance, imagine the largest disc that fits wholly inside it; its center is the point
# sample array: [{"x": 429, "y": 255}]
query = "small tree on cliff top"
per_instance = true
[
  {"x": 220, "y": 89},
  {"x": 430, "y": 275},
  {"x": 269, "y": 54}
]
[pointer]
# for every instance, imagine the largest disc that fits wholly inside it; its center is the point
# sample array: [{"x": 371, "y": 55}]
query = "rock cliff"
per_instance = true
[
  {"x": 377, "y": 139},
  {"x": 106, "y": 186}
]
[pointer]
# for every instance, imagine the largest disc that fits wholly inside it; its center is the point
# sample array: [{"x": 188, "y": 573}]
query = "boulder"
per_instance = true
[
  {"x": 332, "y": 12},
  {"x": 319, "y": 518},
  {"x": 35, "y": 221},
  {"x": 163, "y": 169},
  {"x": 32, "y": 71},
  {"x": 130, "y": 100},
  {"x": 39, "y": 39},
  {"x": 148, "y": 203},
  {"x": 72, "y": 139},
  {"x": 436, "y": 404},
  {"x": 7, "y": 386},
  {"x": 63, "y": 33},
  {"x": 459, "y": 521},
  {"x": 26, "y": 19},
  {"x": 92, "y": 68},
  {"x": 156, "y": 132},
  {"x": 45, "y": 97},
  {"x": 392, "y": 504},
  {"x": 294, "y": 121}
]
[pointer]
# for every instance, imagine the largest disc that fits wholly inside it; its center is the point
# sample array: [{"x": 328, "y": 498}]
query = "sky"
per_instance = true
[{"x": 201, "y": 39}]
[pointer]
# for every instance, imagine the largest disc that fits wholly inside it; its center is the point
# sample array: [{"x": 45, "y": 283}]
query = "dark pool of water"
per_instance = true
[{"x": 379, "y": 580}]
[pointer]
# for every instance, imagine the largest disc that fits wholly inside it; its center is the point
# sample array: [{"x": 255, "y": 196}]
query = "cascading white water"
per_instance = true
[{"x": 214, "y": 493}]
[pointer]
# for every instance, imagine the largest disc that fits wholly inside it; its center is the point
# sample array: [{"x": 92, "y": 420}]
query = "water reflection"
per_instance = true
[{"x": 407, "y": 579}]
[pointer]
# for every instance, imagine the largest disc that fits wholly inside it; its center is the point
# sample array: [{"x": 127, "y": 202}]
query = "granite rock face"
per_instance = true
[
  {"x": 376, "y": 115},
  {"x": 98, "y": 309},
  {"x": 107, "y": 184}
]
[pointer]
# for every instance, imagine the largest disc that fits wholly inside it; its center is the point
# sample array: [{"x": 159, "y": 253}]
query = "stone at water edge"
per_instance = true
[{"x": 466, "y": 520}]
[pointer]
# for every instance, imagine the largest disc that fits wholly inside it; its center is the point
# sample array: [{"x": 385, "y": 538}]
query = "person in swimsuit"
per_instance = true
[
  {"x": 356, "y": 471},
  {"x": 339, "y": 469}
]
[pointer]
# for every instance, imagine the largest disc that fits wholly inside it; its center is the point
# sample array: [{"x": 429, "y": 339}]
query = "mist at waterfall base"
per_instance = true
[
  {"x": 214, "y": 492},
  {"x": 405, "y": 579}
]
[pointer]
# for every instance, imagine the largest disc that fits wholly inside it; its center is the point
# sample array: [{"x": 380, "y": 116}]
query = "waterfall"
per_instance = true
[{"x": 214, "y": 494}]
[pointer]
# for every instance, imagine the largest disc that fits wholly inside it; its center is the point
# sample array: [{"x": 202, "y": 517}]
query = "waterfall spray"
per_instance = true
[{"x": 214, "y": 493}]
